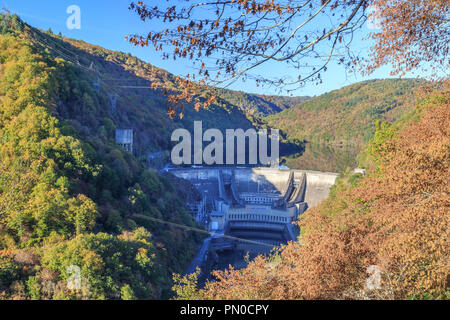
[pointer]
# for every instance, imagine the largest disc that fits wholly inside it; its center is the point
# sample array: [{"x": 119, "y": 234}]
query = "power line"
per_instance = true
[
  {"x": 90, "y": 69},
  {"x": 134, "y": 87}
]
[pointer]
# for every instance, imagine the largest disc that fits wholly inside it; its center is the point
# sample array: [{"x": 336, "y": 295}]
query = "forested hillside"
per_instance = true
[
  {"x": 69, "y": 194},
  {"x": 348, "y": 115},
  {"x": 260, "y": 105},
  {"x": 71, "y": 200},
  {"x": 393, "y": 222},
  {"x": 140, "y": 90}
]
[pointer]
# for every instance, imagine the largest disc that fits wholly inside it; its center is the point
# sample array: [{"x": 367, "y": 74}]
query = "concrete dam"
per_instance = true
[
  {"x": 250, "y": 210},
  {"x": 258, "y": 185}
]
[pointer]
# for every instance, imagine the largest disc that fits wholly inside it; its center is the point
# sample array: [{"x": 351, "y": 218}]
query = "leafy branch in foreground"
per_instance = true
[{"x": 227, "y": 41}]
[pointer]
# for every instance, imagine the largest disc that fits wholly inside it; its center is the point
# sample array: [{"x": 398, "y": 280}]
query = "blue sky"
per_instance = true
[{"x": 107, "y": 22}]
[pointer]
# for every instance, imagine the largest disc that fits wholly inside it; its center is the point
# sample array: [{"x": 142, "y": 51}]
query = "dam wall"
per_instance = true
[
  {"x": 318, "y": 185},
  {"x": 262, "y": 180}
]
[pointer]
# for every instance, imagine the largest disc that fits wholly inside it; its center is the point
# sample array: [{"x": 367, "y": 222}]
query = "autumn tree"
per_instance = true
[
  {"x": 227, "y": 41},
  {"x": 412, "y": 33}
]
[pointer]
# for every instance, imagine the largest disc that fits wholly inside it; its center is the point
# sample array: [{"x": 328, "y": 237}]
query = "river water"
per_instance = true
[{"x": 326, "y": 158}]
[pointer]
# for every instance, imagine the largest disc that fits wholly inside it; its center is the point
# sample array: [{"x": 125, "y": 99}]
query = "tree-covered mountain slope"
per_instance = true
[
  {"x": 260, "y": 105},
  {"x": 76, "y": 210},
  {"x": 348, "y": 115},
  {"x": 139, "y": 89}
]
